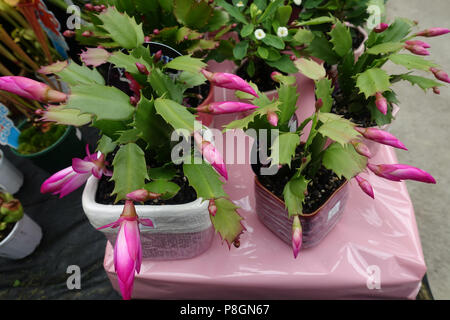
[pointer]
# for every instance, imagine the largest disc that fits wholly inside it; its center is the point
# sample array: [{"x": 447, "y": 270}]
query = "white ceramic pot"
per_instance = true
[
  {"x": 180, "y": 231},
  {"x": 22, "y": 240},
  {"x": 11, "y": 179}
]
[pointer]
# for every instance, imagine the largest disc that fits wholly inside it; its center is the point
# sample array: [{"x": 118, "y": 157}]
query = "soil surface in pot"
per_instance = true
[
  {"x": 4, "y": 233},
  {"x": 185, "y": 195},
  {"x": 261, "y": 77},
  {"x": 341, "y": 107}
]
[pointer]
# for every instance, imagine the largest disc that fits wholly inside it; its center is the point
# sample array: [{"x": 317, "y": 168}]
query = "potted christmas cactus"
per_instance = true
[
  {"x": 145, "y": 153},
  {"x": 302, "y": 174},
  {"x": 19, "y": 234}
]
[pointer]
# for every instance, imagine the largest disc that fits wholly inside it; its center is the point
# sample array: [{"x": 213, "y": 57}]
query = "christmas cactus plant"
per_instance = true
[
  {"x": 362, "y": 88},
  {"x": 137, "y": 132},
  {"x": 303, "y": 167}
]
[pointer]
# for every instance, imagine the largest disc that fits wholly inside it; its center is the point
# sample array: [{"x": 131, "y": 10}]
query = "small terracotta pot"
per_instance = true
[{"x": 272, "y": 212}]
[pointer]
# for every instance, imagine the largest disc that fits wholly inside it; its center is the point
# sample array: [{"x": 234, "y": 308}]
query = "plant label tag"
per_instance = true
[
  {"x": 333, "y": 211},
  {"x": 9, "y": 134}
]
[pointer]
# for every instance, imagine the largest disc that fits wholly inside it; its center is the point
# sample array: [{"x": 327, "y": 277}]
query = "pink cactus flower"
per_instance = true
[
  {"x": 272, "y": 117},
  {"x": 229, "y": 81},
  {"x": 399, "y": 172},
  {"x": 128, "y": 248},
  {"x": 381, "y": 136},
  {"x": 418, "y": 43},
  {"x": 381, "y": 103},
  {"x": 212, "y": 208},
  {"x": 365, "y": 186},
  {"x": 416, "y": 49},
  {"x": 225, "y": 107},
  {"x": 69, "y": 179},
  {"x": 381, "y": 27},
  {"x": 296, "y": 236},
  {"x": 440, "y": 74},
  {"x": 362, "y": 149},
  {"x": 211, "y": 155},
  {"x": 142, "y": 195},
  {"x": 31, "y": 89},
  {"x": 433, "y": 32}
]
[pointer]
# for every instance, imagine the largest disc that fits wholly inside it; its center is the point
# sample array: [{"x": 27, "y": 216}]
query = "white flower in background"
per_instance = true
[
  {"x": 298, "y": 2},
  {"x": 260, "y": 34},
  {"x": 282, "y": 32},
  {"x": 239, "y": 4}
]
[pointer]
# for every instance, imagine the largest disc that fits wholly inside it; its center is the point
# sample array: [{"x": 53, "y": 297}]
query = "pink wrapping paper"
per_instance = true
[{"x": 374, "y": 251}]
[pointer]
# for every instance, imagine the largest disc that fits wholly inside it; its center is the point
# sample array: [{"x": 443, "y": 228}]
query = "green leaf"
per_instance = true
[
  {"x": 111, "y": 128},
  {"x": 130, "y": 170},
  {"x": 270, "y": 10},
  {"x": 284, "y": 64},
  {"x": 337, "y": 128},
  {"x": 128, "y": 62},
  {"x": 191, "y": 13},
  {"x": 316, "y": 21},
  {"x": 380, "y": 118},
  {"x": 263, "y": 52},
  {"x": 344, "y": 160},
  {"x": 154, "y": 130},
  {"x": 372, "y": 81},
  {"x": 324, "y": 91},
  {"x": 247, "y": 30},
  {"x": 310, "y": 69},
  {"x": 167, "y": 172},
  {"x": 283, "y": 148},
  {"x": 233, "y": 11},
  {"x": 167, "y": 189},
  {"x": 341, "y": 39},
  {"x": 220, "y": 18},
  {"x": 176, "y": 115},
  {"x": 284, "y": 14},
  {"x": 127, "y": 136},
  {"x": 163, "y": 85},
  {"x": 422, "y": 82},
  {"x": 227, "y": 222},
  {"x": 123, "y": 29},
  {"x": 105, "y": 145},
  {"x": 240, "y": 50},
  {"x": 204, "y": 179},
  {"x": 102, "y": 101},
  {"x": 303, "y": 36},
  {"x": 186, "y": 63},
  {"x": 288, "y": 97},
  {"x": 294, "y": 195},
  {"x": 321, "y": 48},
  {"x": 396, "y": 32},
  {"x": 273, "y": 41},
  {"x": 75, "y": 74},
  {"x": 412, "y": 62},
  {"x": 385, "y": 48},
  {"x": 191, "y": 79}
]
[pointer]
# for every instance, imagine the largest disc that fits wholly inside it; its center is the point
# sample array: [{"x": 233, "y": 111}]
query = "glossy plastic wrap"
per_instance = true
[{"x": 373, "y": 252}]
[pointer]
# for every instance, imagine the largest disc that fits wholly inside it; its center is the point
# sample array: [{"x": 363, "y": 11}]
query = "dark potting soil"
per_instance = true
[
  {"x": 261, "y": 77},
  {"x": 4, "y": 233},
  {"x": 322, "y": 186},
  {"x": 341, "y": 107}
]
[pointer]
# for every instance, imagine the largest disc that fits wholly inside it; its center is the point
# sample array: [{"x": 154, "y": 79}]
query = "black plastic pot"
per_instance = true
[{"x": 59, "y": 155}]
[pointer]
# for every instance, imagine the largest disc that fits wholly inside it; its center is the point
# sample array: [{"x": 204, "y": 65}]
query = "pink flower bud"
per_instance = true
[
  {"x": 212, "y": 208},
  {"x": 417, "y": 43},
  {"x": 272, "y": 117},
  {"x": 381, "y": 102},
  {"x": 275, "y": 76},
  {"x": 89, "y": 6},
  {"x": 362, "y": 149},
  {"x": 399, "y": 172},
  {"x": 381, "y": 27},
  {"x": 31, "y": 89},
  {"x": 229, "y": 81},
  {"x": 416, "y": 49},
  {"x": 436, "y": 90},
  {"x": 155, "y": 31},
  {"x": 433, "y": 32},
  {"x": 319, "y": 104},
  {"x": 87, "y": 34},
  {"x": 381, "y": 136},
  {"x": 157, "y": 56},
  {"x": 225, "y": 107},
  {"x": 296, "y": 236},
  {"x": 68, "y": 33},
  {"x": 98, "y": 8},
  {"x": 142, "y": 195},
  {"x": 142, "y": 69},
  {"x": 133, "y": 100},
  {"x": 440, "y": 75},
  {"x": 147, "y": 39},
  {"x": 365, "y": 186},
  {"x": 293, "y": 57},
  {"x": 211, "y": 155}
]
